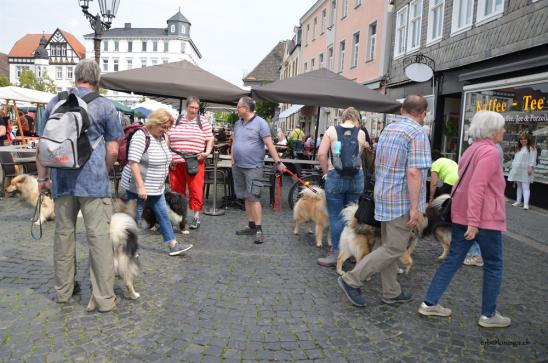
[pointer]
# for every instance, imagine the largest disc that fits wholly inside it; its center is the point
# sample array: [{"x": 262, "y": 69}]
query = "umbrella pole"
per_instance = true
[
  {"x": 316, "y": 135},
  {"x": 180, "y": 106}
]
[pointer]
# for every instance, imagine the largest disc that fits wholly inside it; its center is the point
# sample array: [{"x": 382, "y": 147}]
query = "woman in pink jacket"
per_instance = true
[{"x": 479, "y": 214}]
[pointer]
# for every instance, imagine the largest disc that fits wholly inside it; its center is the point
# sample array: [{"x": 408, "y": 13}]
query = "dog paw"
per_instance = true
[
  {"x": 319, "y": 244},
  {"x": 310, "y": 231},
  {"x": 134, "y": 296},
  {"x": 400, "y": 270},
  {"x": 155, "y": 228},
  {"x": 186, "y": 231},
  {"x": 295, "y": 232}
]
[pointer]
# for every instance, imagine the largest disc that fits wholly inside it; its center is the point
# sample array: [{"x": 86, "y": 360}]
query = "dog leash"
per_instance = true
[
  {"x": 306, "y": 184},
  {"x": 37, "y": 212},
  {"x": 278, "y": 194}
]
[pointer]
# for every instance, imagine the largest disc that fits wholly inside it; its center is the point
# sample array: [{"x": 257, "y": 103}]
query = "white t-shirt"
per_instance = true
[{"x": 154, "y": 164}]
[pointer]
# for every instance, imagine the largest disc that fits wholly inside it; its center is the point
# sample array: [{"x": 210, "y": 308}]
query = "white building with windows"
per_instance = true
[
  {"x": 55, "y": 54},
  {"x": 130, "y": 47}
]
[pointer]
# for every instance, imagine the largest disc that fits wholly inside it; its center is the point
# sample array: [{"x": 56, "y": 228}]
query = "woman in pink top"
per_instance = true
[
  {"x": 478, "y": 213},
  {"x": 191, "y": 134}
]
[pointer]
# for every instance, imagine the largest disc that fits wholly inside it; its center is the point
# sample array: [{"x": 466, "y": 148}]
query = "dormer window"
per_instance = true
[
  {"x": 183, "y": 30},
  {"x": 172, "y": 28}
]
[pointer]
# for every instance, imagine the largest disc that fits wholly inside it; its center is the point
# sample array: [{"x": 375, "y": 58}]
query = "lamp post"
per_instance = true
[{"x": 100, "y": 23}]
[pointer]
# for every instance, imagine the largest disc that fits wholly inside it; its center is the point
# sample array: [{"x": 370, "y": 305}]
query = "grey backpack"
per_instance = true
[{"x": 64, "y": 143}]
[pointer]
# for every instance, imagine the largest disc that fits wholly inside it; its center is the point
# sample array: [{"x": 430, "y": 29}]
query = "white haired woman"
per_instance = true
[
  {"x": 478, "y": 214},
  {"x": 144, "y": 176}
]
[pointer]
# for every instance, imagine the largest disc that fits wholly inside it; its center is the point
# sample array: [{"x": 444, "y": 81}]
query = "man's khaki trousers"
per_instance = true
[
  {"x": 96, "y": 213},
  {"x": 384, "y": 260}
]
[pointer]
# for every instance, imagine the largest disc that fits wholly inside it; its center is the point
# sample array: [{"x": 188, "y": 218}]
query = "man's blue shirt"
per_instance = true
[
  {"x": 248, "y": 145},
  {"x": 92, "y": 179}
]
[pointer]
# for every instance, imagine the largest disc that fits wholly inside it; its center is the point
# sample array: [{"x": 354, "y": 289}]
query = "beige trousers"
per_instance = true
[
  {"x": 96, "y": 213},
  {"x": 384, "y": 260}
]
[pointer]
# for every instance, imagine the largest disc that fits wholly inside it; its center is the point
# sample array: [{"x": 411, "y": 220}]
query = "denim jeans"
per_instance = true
[
  {"x": 475, "y": 250},
  {"x": 490, "y": 242},
  {"x": 339, "y": 192},
  {"x": 158, "y": 205}
]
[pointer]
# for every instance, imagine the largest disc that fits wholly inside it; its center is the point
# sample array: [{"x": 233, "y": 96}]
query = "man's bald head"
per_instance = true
[{"x": 415, "y": 106}]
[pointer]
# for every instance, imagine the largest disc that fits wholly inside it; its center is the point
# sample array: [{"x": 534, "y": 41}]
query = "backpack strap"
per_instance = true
[
  {"x": 199, "y": 122},
  {"x": 88, "y": 98}
]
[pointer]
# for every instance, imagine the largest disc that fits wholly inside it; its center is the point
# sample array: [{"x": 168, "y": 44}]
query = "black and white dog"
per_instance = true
[{"x": 177, "y": 207}]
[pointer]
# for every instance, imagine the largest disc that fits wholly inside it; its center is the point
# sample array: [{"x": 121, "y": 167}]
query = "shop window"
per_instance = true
[{"x": 524, "y": 109}]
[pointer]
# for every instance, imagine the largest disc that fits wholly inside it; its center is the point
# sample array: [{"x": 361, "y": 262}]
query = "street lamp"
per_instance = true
[{"x": 108, "y": 10}]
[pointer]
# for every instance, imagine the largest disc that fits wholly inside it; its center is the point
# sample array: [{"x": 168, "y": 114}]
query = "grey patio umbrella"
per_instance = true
[
  {"x": 325, "y": 88},
  {"x": 176, "y": 80}
]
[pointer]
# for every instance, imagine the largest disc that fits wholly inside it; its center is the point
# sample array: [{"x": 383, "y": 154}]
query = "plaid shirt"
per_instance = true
[{"x": 402, "y": 145}]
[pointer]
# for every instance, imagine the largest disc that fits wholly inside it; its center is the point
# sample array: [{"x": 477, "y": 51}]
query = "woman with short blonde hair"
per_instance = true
[{"x": 144, "y": 176}]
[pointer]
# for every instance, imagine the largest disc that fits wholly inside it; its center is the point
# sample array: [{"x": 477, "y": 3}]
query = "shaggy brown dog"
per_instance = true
[
  {"x": 26, "y": 187},
  {"x": 312, "y": 207},
  {"x": 358, "y": 240},
  {"x": 439, "y": 229}
]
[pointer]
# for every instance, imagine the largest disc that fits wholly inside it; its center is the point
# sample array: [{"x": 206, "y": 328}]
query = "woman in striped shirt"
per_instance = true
[
  {"x": 144, "y": 175},
  {"x": 192, "y": 134}
]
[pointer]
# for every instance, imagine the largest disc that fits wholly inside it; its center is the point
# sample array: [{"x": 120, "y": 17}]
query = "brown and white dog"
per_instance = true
[
  {"x": 123, "y": 235},
  {"x": 26, "y": 187},
  {"x": 358, "y": 240},
  {"x": 439, "y": 229},
  {"x": 312, "y": 207}
]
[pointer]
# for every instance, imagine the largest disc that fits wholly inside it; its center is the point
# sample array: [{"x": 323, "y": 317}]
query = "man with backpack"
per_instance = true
[
  {"x": 402, "y": 161},
  {"x": 339, "y": 156},
  {"x": 77, "y": 148}
]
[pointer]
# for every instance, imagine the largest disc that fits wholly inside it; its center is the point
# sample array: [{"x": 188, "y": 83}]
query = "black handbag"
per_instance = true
[
  {"x": 445, "y": 209},
  {"x": 192, "y": 164}
]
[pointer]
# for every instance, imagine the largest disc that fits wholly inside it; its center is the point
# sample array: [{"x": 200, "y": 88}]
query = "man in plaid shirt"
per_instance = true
[{"x": 402, "y": 162}]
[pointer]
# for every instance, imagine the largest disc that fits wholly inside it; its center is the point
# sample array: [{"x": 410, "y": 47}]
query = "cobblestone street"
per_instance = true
[{"x": 230, "y": 300}]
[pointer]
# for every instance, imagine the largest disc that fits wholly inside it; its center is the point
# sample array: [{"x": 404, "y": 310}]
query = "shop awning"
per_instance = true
[{"x": 290, "y": 111}]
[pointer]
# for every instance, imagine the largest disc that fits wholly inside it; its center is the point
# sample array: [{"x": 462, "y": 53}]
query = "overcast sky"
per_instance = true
[{"x": 232, "y": 35}]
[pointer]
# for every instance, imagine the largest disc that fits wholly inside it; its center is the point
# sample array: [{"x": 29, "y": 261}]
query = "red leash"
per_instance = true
[
  {"x": 278, "y": 194},
  {"x": 306, "y": 184}
]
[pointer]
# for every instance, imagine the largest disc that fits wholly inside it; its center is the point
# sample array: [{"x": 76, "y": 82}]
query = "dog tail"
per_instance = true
[
  {"x": 437, "y": 203},
  {"x": 349, "y": 213},
  {"x": 123, "y": 232}
]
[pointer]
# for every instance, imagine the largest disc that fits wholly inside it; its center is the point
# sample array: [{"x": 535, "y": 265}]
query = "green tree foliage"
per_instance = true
[
  {"x": 4, "y": 81},
  {"x": 266, "y": 110},
  {"x": 28, "y": 79},
  {"x": 226, "y": 117}
]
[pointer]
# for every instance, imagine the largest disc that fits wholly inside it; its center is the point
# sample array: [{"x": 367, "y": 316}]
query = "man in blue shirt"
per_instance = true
[
  {"x": 87, "y": 190},
  {"x": 251, "y": 134}
]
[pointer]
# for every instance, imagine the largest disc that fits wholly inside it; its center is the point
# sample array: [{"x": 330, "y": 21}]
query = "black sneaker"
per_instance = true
[
  {"x": 402, "y": 298},
  {"x": 246, "y": 232},
  {"x": 259, "y": 239},
  {"x": 195, "y": 224},
  {"x": 353, "y": 294}
]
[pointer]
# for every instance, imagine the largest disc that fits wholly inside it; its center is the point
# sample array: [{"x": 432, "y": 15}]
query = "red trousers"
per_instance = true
[{"x": 179, "y": 180}]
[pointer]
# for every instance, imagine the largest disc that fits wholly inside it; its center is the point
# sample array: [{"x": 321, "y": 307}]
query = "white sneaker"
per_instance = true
[
  {"x": 496, "y": 321},
  {"x": 434, "y": 310},
  {"x": 526, "y": 207},
  {"x": 516, "y": 204}
]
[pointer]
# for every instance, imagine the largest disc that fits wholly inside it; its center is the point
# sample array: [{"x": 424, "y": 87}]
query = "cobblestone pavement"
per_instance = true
[{"x": 232, "y": 301}]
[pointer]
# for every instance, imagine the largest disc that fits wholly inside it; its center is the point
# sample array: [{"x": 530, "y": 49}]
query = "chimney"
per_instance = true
[{"x": 127, "y": 25}]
